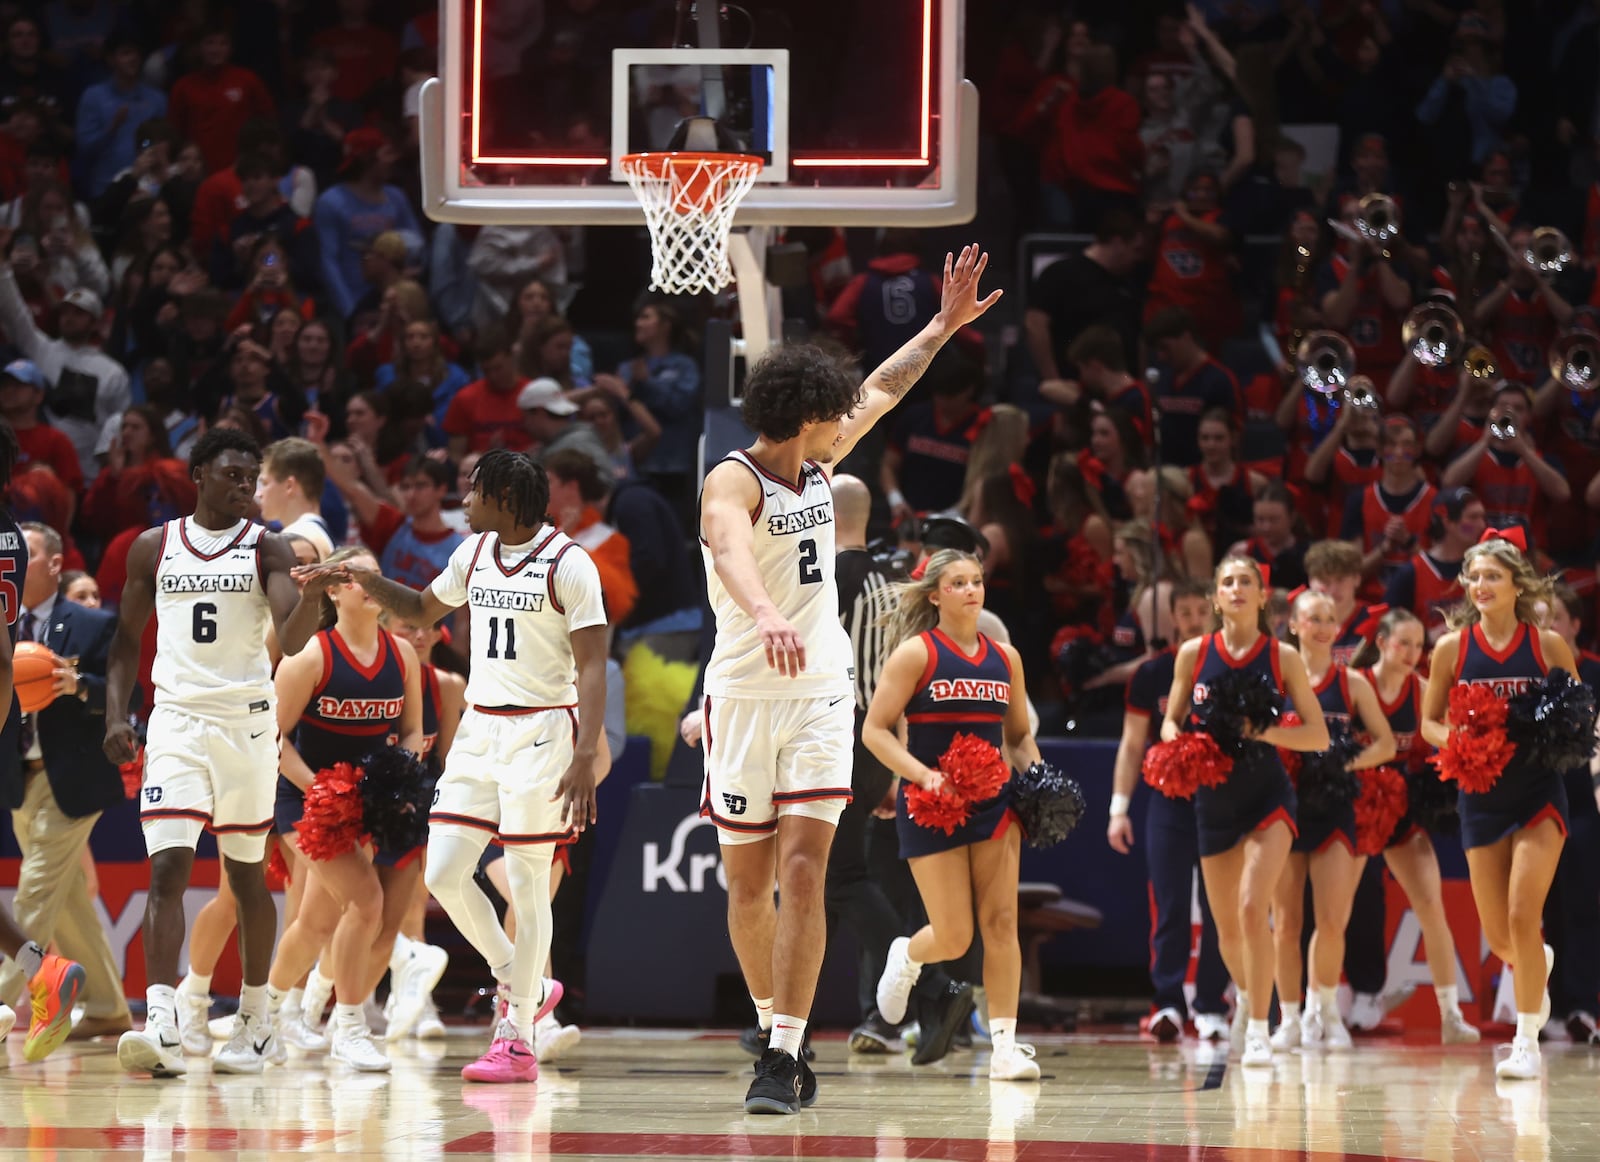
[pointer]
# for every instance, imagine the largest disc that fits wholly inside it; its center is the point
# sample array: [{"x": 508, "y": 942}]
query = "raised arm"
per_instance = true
[
  {"x": 419, "y": 608},
  {"x": 959, "y": 305},
  {"x": 296, "y": 609},
  {"x": 122, "y": 666},
  {"x": 731, "y": 497}
]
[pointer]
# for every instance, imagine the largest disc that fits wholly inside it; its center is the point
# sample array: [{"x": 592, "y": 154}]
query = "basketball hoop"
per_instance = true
[{"x": 689, "y": 200}]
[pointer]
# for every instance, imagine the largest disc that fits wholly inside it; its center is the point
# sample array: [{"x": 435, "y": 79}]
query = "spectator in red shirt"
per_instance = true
[
  {"x": 1390, "y": 517},
  {"x": 364, "y": 53},
  {"x": 1191, "y": 270},
  {"x": 22, "y": 390},
  {"x": 1094, "y": 154},
  {"x": 142, "y": 484},
  {"x": 1506, "y": 470},
  {"x": 1366, "y": 297},
  {"x": 484, "y": 414},
  {"x": 1522, "y": 314},
  {"x": 211, "y": 105}
]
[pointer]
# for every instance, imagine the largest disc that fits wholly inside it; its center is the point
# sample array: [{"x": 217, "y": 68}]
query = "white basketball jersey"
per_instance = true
[
  {"x": 524, "y": 602},
  {"x": 793, "y": 543},
  {"x": 212, "y": 616}
]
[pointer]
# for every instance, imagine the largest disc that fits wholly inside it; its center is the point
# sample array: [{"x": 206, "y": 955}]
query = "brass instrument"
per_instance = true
[
  {"x": 1362, "y": 393},
  {"x": 1325, "y": 361},
  {"x": 1479, "y": 363},
  {"x": 1549, "y": 250},
  {"x": 1378, "y": 219},
  {"x": 1575, "y": 361},
  {"x": 1433, "y": 334}
]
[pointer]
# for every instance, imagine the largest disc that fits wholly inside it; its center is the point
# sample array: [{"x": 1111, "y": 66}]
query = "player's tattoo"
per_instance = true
[
  {"x": 897, "y": 376},
  {"x": 392, "y": 595}
]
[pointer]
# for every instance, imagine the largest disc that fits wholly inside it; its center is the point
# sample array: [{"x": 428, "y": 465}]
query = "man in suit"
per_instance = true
[{"x": 68, "y": 782}]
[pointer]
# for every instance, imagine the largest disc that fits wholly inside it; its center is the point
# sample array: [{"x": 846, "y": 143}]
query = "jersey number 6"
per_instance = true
[{"x": 205, "y": 623}]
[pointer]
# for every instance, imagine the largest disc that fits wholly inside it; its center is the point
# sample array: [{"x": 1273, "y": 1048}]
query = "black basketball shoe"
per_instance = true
[{"x": 778, "y": 1085}]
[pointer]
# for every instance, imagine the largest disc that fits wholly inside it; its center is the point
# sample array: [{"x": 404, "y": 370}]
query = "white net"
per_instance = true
[{"x": 689, "y": 201}]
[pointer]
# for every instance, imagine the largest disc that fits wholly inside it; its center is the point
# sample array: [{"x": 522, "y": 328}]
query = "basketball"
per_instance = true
[{"x": 33, "y": 669}]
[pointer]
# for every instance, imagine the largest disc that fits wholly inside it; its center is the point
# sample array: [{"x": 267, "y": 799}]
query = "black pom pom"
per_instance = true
[
  {"x": 1325, "y": 787},
  {"x": 1432, "y": 802},
  {"x": 1552, "y": 723},
  {"x": 1239, "y": 703},
  {"x": 1048, "y": 802},
  {"x": 393, "y": 798}
]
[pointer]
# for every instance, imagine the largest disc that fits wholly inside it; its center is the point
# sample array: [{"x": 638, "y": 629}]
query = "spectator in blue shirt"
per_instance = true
[
  {"x": 1487, "y": 97},
  {"x": 667, "y": 382},
  {"x": 354, "y": 212},
  {"x": 110, "y": 113}
]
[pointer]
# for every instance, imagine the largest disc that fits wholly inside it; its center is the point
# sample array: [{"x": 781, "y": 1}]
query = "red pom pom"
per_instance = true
[
  {"x": 1379, "y": 808},
  {"x": 1290, "y": 758},
  {"x": 936, "y": 810},
  {"x": 973, "y": 768},
  {"x": 1179, "y": 768},
  {"x": 1476, "y": 754},
  {"x": 332, "y": 823},
  {"x": 132, "y": 773},
  {"x": 277, "y": 871}
]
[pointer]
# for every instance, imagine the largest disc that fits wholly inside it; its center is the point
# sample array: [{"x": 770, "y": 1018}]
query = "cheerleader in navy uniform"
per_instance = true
[
  {"x": 1574, "y": 909},
  {"x": 1393, "y": 658},
  {"x": 943, "y": 678},
  {"x": 1324, "y": 851},
  {"x": 1247, "y": 824},
  {"x": 1171, "y": 843},
  {"x": 409, "y": 1008},
  {"x": 354, "y": 689},
  {"x": 1514, "y": 832}
]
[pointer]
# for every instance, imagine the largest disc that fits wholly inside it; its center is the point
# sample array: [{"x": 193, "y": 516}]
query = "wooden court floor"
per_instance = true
[{"x": 639, "y": 1094}]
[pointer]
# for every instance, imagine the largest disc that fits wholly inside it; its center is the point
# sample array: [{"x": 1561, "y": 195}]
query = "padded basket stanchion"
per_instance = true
[{"x": 689, "y": 201}]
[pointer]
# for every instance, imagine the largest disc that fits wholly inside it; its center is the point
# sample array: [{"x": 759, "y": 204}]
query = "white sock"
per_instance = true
[
  {"x": 1291, "y": 1011},
  {"x": 293, "y": 1001},
  {"x": 348, "y": 1016},
  {"x": 1328, "y": 1002},
  {"x": 1528, "y": 1026},
  {"x": 521, "y": 1014},
  {"x": 788, "y": 1034},
  {"x": 29, "y": 958},
  {"x": 1449, "y": 999},
  {"x": 1002, "y": 1033},
  {"x": 195, "y": 984},
  {"x": 763, "y": 1011},
  {"x": 315, "y": 979},
  {"x": 1256, "y": 1029},
  {"x": 1241, "y": 1002},
  {"x": 401, "y": 953},
  {"x": 161, "y": 1007},
  {"x": 253, "y": 1001},
  {"x": 275, "y": 999}
]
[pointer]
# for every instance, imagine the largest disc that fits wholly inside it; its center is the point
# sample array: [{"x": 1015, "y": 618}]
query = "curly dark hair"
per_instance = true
[
  {"x": 798, "y": 384},
  {"x": 215, "y": 442},
  {"x": 517, "y": 482}
]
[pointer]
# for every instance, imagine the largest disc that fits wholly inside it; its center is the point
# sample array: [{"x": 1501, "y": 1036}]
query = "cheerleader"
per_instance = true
[
  {"x": 1514, "y": 832},
  {"x": 1324, "y": 851},
  {"x": 410, "y": 1006},
  {"x": 1393, "y": 657},
  {"x": 354, "y": 689},
  {"x": 943, "y": 678},
  {"x": 1247, "y": 824}
]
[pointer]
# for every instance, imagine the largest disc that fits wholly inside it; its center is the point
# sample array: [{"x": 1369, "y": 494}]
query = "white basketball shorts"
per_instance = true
[
  {"x": 766, "y": 757},
  {"x": 200, "y": 774},
  {"x": 501, "y": 772}
]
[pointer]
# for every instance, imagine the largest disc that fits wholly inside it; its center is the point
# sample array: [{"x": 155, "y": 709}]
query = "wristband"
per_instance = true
[
  {"x": 1119, "y": 804},
  {"x": 897, "y": 498}
]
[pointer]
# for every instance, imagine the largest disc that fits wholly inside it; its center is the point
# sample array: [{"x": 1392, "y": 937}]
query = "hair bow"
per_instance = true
[
  {"x": 979, "y": 422},
  {"x": 1022, "y": 486},
  {"x": 1093, "y": 470},
  {"x": 1266, "y": 575},
  {"x": 921, "y": 570},
  {"x": 1517, "y": 536},
  {"x": 1367, "y": 627}
]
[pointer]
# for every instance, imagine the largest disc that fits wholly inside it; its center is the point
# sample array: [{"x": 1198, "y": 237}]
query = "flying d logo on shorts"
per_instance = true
[
  {"x": 735, "y": 803},
  {"x": 152, "y": 795}
]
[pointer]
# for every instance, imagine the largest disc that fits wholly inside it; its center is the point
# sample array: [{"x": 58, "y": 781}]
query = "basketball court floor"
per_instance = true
[{"x": 632, "y": 1094}]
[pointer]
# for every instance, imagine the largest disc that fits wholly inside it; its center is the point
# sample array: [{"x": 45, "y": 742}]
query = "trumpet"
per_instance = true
[
  {"x": 1479, "y": 363},
  {"x": 1549, "y": 250},
  {"x": 1378, "y": 218},
  {"x": 1575, "y": 360},
  {"x": 1361, "y": 393},
  {"x": 1433, "y": 334},
  {"x": 1325, "y": 361}
]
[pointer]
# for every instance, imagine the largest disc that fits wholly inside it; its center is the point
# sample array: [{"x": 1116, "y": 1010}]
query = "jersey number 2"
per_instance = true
[
  {"x": 810, "y": 574},
  {"x": 511, "y": 638},
  {"x": 205, "y": 622}
]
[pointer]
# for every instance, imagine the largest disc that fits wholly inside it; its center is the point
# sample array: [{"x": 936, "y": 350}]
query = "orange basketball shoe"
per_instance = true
[{"x": 55, "y": 988}]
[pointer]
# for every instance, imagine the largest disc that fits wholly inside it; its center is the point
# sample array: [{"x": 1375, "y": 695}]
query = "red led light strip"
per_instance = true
[{"x": 479, "y": 158}]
